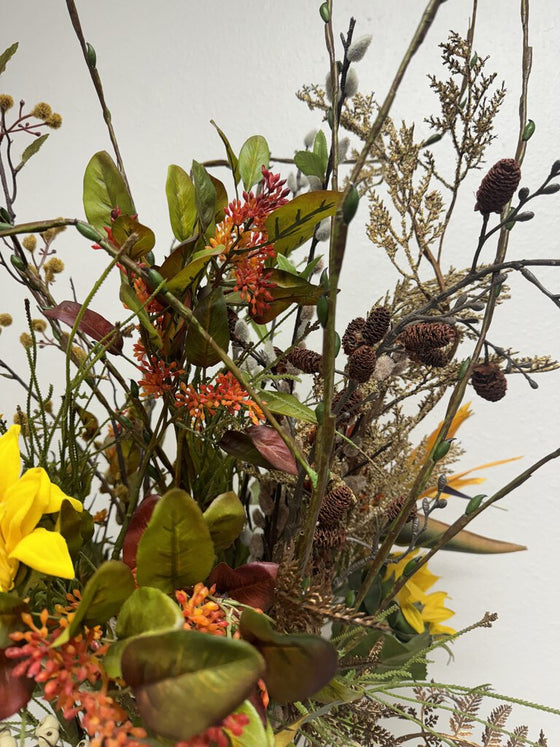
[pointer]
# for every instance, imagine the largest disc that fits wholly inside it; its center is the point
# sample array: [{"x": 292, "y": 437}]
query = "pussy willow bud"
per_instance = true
[
  {"x": 352, "y": 84},
  {"x": 358, "y": 48},
  {"x": 309, "y": 139}
]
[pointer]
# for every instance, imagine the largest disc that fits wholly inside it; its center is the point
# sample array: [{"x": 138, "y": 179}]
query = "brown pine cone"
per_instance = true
[
  {"x": 489, "y": 381},
  {"x": 327, "y": 539},
  {"x": 361, "y": 364},
  {"x": 395, "y": 507},
  {"x": 437, "y": 357},
  {"x": 376, "y": 326},
  {"x": 335, "y": 506},
  {"x": 350, "y": 405},
  {"x": 498, "y": 186},
  {"x": 305, "y": 360},
  {"x": 352, "y": 338},
  {"x": 427, "y": 335}
]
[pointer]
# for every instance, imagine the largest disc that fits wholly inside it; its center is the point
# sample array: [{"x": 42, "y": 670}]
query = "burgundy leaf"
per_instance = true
[
  {"x": 272, "y": 447},
  {"x": 15, "y": 692},
  {"x": 92, "y": 324},
  {"x": 239, "y": 445},
  {"x": 252, "y": 583},
  {"x": 138, "y": 523}
]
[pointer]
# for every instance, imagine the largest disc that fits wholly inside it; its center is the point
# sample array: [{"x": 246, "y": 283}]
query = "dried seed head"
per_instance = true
[
  {"x": 307, "y": 361},
  {"x": 377, "y": 325},
  {"x": 498, "y": 186},
  {"x": 42, "y": 111},
  {"x": 351, "y": 403},
  {"x": 489, "y": 381},
  {"x": 6, "y": 102},
  {"x": 30, "y": 243},
  {"x": 336, "y": 505},
  {"x": 39, "y": 325},
  {"x": 54, "y": 121},
  {"x": 352, "y": 338},
  {"x": 427, "y": 335},
  {"x": 361, "y": 364},
  {"x": 327, "y": 539},
  {"x": 5, "y": 320},
  {"x": 436, "y": 357}
]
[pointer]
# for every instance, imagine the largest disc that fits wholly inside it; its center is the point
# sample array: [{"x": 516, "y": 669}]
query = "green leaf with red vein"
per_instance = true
[
  {"x": 184, "y": 681},
  {"x": 292, "y": 224},
  {"x": 104, "y": 190},
  {"x": 91, "y": 324},
  {"x": 297, "y": 666},
  {"x": 252, "y": 583}
]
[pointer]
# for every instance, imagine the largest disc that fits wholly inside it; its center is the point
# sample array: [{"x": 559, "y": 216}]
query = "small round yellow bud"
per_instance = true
[
  {"x": 39, "y": 325},
  {"x": 79, "y": 354},
  {"x": 5, "y": 320},
  {"x": 48, "y": 406},
  {"x": 54, "y": 265},
  {"x": 26, "y": 340},
  {"x": 54, "y": 121},
  {"x": 42, "y": 111},
  {"x": 30, "y": 243},
  {"x": 48, "y": 235},
  {"x": 6, "y": 102},
  {"x": 20, "y": 418}
]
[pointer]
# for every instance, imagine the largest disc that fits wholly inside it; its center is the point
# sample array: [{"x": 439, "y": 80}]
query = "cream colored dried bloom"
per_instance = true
[
  {"x": 26, "y": 340},
  {"x": 42, "y": 111},
  {"x": 357, "y": 49},
  {"x": 6, "y": 102},
  {"x": 39, "y": 325},
  {"x": 54, "y": 265},
  {"x": 54, "y": 121},
  {"x": 5, "y": 320},
  {"x": 30, "y": 243}
]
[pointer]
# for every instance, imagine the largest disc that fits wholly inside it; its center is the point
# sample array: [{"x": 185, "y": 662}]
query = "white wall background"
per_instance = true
[{"x": 168, "y": 68}]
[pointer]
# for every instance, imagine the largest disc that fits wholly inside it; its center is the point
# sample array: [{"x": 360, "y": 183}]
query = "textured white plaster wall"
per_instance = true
[{"x": 168, "y": 68}]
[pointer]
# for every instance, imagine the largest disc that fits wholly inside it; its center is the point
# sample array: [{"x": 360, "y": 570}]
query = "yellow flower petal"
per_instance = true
[
  {"x": 434, "y": 608},
  {"x": 8, "y": 570},
  {"x": 46, "y": 552},
  {"x": 10, "y": 464},
  {"x": 56, "y": 497},
  {"x": 24, "y": 504},
  {"x": 413, "y": 617}
]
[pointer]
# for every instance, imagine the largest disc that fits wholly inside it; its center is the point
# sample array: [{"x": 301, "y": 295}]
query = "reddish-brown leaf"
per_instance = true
[
  {"x": 15, "y": 692},
  {"x": 270, "y": 444},
  {"x": 91, "y": 324},
  {"x": 138, "y": 523},
  {"x": 252, "y": 583}
]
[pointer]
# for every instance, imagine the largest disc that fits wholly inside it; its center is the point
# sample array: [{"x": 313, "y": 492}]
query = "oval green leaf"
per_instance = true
[
  {"x": 254, "y": 733},
  {"x": 181, "y": 202},
  {"x": 185, "y": 681},
  {"x": 211, "y": 313},
  {"x": 232, "y": 158},
  {"x": 254, "y": 154},
  {"x": 176, "y": 549},
  {"x": 205, "y": 195},
  {"x": 104, "y": 190},
  {"x": 179, "y": 282},
  {"x": 148, "y": 610},
  {"x": 124, "y": 226},
  {"x": 225, "y": 518},
  {"x": 283, "y": 403},
  {"x": 292, "y": 224}
]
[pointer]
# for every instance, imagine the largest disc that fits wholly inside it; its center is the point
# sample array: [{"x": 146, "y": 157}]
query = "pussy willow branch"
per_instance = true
[
  {"x": 75, "y": 18},
  {"x": 327, "y": 430},
  {"x": 459, "y": 390}
]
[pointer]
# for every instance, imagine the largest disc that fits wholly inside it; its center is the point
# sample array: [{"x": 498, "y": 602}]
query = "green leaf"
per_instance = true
[
  {"x": 179, "y": 282},
  {"x": 7, "y": 55},
  {"x": 308, "y": 271},
  {"x": 254, "y": 733},
  {"x": 176, "y": 549},
  {"x": 283, "y": 403},
  {"x": 184, "y": 681},
  {"x": 254, "y": 154},
  {"x": 338, "y": 691},
  {"x": 309, "y": 163},
  {"x": 124, "y": 226},
  {"x": 292, "y": 224},
  {"x": 394, "y": 654},
  {"x": 131, "y": 300},
  {"x": 11, "y": 608},
  {"x": 181, "y": 202},
  {"x": 205, "y": 195},
  {"x": 148, "y": 610},
  {"x": 320, "y": 149},
  {"x": 463, "y": 541},
  {"x": 30, "y": 151},
  {"x": 225, "y": 518},
  {"x": 104, "y": 190},
  {"x": 211, "y": 312},
  {"x": 105, "y": 592},
  {"x": 285, "y": 265},
  {"x": 221, "y": 198},
  {"x": 297, "y": 666},
  {"x": 232, "y": 158},
  {"x": 287, "y": 289}
]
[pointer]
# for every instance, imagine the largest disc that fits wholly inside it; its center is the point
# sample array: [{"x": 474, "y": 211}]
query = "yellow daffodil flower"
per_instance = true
[
  {"x": 23, "y": 501},
  {"x": 419, "y": 609}
]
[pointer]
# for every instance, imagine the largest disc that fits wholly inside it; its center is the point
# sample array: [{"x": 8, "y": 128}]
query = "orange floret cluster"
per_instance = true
[
  {"x": 201, "y": 612},
  {"x": 226, "y": 392}
]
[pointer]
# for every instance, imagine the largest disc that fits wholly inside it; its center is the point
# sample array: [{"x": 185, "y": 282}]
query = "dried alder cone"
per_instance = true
[
  {"x": 498, "y": 186},
  {"x": 376, "y": 326},
  {"x": 361, "y": 364},
  {"x": 352, "y": 339},
  {"x": 335, "y": 506},
  {"x": 427, "y": 335},
  {"x": 489, "y": 381},
  {"x": 305, "y": 360}
]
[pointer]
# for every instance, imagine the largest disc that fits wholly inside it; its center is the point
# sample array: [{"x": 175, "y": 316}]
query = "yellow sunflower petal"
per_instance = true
[
  {"x": 413, "y": 617},
  {"x": 46, "y": 552},
  {"x": 56, "y": 496},
  {"x": 10, "y": 463},
  {"x": 437, "y": 629},
  {"x": 24, "y": 504},
  {"x": 434, "y": 609}
]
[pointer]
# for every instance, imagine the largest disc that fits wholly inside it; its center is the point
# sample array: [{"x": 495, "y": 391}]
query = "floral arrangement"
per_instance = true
[{"x": 215, "y": 529}]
